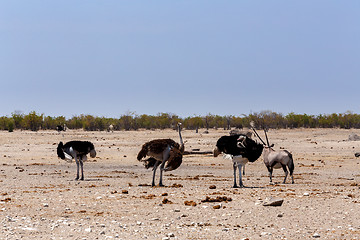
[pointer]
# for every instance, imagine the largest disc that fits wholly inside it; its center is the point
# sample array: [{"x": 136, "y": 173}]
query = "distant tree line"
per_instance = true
[{"x": 131, "y": 121}]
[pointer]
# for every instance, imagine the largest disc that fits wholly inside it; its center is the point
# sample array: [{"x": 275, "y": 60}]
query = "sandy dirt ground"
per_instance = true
[{"x": 39, "y": 198}]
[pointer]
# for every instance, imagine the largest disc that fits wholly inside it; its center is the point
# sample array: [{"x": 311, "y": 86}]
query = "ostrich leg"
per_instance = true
[
  {"x": 77, "y": 167},
  {"x": 154, "y": 172},
  {"x": 82, "y": 169},
  {"x": 240, "y": 176},
  {"x": 166, "y": 155},
  {"x": 235, "y": 185}
]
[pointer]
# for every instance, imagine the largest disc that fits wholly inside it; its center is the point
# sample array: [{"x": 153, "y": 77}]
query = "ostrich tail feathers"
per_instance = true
[
  {"x": 174, "y": 160},
  {"x": 227, "y": 157}
]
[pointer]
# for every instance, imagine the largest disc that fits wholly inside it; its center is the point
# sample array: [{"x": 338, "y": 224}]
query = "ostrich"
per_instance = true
[
  {"x": 240, "y": 149},
  {"x": 161, "y": 152},
  {"x": 77, "y": 150},
  {"x": 110, "y": 128},
  {"x": 277, "y": 159},
  {"x": 60, "y": 128}
]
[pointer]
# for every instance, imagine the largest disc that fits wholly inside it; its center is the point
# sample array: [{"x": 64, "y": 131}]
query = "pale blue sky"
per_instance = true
[{"x": 106, "y": 58}]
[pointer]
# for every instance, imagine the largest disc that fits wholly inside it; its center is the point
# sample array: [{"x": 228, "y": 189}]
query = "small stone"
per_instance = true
[
  {"x": 177, "y": 210},
  {"x": 217, "y": 206},
  {"x": 280, "y": 215},
  {"x": 265, "y": 234},
  {"x": 273, "y": 202},
  {"x": 88, "y": 230},
  {"x": 171, "y": 235},
  {"x": 306, "y": 194},
  {"x": 212, "y": 187},
  {"x": 316, "y": 235},
  {"x": 46, "y": 205}
]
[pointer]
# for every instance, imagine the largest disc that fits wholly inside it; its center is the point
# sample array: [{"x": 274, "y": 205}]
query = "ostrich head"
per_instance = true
[
  {"x": 60, "y": 151},
  {"x": 92, "y": 153},
  {"x": 216, "y": 152}
]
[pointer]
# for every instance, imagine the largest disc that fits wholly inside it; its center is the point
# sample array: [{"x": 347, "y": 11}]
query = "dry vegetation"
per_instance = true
[{"x": 40, "y": 199}]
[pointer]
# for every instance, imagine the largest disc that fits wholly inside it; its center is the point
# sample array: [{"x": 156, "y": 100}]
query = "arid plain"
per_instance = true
[{"x": 39, "y": 198}]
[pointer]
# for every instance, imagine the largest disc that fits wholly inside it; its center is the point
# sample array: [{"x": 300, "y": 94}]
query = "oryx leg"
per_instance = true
[
  {"x": 291, "y": 173},
  {"x": 270, "y": 170},
  {"x": 285, "y": 170}
]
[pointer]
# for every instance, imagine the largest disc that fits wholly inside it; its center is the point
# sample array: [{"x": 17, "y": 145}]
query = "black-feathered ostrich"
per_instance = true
[
  {"x": 76, "y": 150},
  {"x": 161, "y": 152},
  {"x": 241, "y": 149}
]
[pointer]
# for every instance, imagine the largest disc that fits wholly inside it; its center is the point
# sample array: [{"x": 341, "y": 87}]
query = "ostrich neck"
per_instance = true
[{"x": 181, "y": 140}]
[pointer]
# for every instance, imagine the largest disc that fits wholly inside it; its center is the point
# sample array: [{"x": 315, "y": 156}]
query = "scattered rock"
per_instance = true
[
  {"x": 177, "y": 185},
  {"x": 316, "y": 235},
  {"x": 166, "y": 201},
  {"x": 217, "y": 206},
  {"x": 217, "y": 199},
  {"x": 276, "y": 202},
  {"x": 190, "y": 203}
]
